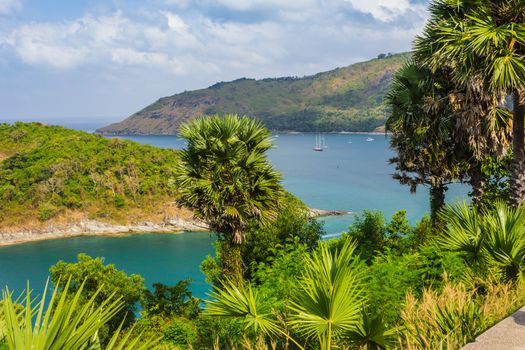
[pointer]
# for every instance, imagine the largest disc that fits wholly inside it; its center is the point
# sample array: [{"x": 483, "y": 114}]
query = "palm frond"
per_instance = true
[
  {"x": 464, "y": 231},
  {"x": 243, "y": 302},
  {"x": 330, "y": 295},
  {"x": 64, "y": 323}
]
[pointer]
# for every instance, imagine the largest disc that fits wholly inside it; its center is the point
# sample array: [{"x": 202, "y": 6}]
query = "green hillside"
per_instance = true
[
  {"x": 344, "y": 99},
  {"x": 50, "y": 172}
]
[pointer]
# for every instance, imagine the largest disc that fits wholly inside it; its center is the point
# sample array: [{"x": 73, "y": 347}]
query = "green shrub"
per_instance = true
[
  {"x": 47, "y": 211},
  {"x": 169, "y": 301},
  {"x": 292, "y": 225},
  {"x": 374, "y": 235},
  {"x": 180, "y": 332},
  {"x": 119, "y": 200},
  {"x": 212, "y": 331},
  {"x": 391, "y": 277}
]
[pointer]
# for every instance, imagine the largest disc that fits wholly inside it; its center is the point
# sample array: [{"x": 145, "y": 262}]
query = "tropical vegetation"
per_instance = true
[
  {"x": 384, "y": 284},
  {"x": 49, "y": 173}
]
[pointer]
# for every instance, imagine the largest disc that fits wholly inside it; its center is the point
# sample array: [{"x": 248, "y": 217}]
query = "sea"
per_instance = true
[{"x": 351, "y": 174}]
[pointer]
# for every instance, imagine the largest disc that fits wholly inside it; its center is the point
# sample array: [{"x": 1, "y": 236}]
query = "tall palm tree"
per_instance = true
[
  {"x": 484, "y": 126},
  {"x": 225, "y": 177},
  {"x": 485, "y": 40},
  {"x": 422, "y": 123}
]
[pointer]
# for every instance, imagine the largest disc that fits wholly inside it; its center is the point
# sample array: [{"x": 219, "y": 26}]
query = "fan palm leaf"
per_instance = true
[
  {"x": 505, "y": 241},
  {"x": 483, "y": 40},
  {"x": 494, "y": 238},
  {"x": 225, "y": 178},
  {"x": 464, "y": 231},
  {"x": 329, "y": 297},
  {"x": 244, "y": 302}
]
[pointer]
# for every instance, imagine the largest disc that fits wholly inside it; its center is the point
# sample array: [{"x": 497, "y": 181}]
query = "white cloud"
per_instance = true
[
  {"x": 168, "y": 43},
  {"x": 386, "y": 10},
  {"x": 301, "y": 34},
  {"x": 10, "y": 6},
  {"x": 175, "y": 22},
  {"x": 66, "y": 45}
]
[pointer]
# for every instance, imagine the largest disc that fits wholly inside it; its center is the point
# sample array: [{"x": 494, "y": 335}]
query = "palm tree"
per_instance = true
[
  {"x": 484, "y": 126},
  {"x": 65, "y": 323},
  {"x": 483, "y": 40},
  {"x": 225, "y": 177},
  {"x": 422, "y": 123},
  {"x": 326, "y": 306}
]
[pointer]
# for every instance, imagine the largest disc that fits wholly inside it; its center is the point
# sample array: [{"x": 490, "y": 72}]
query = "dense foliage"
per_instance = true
[
  {"x": 98, "y": 282},
  {"x": 46, "y": 171},
  {"x": 482, "y": 43}
]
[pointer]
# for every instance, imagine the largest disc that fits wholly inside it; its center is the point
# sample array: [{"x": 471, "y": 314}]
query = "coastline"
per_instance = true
[
  {"x": 275, "y": 132},
  {"x": 98, "y": 228}
]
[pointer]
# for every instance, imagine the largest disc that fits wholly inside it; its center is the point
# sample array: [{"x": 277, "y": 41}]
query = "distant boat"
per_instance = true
[
  {"x": 349, "y": 140},
  {"x": 369, "y": 139},
  {"x": 319, "y": 143}
]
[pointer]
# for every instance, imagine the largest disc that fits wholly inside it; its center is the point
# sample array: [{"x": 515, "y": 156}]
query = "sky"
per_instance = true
[{"x": 94, "y": 62}]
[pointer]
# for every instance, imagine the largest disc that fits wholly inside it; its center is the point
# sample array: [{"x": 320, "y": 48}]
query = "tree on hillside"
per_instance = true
[
  {"x": 483, "y": 40},
  {"x": 226, "y": 179}
]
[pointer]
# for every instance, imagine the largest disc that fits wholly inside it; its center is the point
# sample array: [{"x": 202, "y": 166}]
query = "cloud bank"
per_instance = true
[{"x": 203, "y": 41}]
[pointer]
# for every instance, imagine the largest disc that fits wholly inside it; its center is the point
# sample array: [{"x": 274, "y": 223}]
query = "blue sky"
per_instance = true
[{"x": 95, "y": 62}]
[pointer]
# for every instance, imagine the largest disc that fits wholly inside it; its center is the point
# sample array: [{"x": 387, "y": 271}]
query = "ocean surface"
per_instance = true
[{"x": 351, "y": 174}]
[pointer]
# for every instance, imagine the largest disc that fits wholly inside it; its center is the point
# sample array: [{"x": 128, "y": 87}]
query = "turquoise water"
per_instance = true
[
  {"x": 165, "y": 258},
  {"x": 345, "y": 176}
]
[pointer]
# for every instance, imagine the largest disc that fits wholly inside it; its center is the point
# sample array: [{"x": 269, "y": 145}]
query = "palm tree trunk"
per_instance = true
[
  {"x": 437, "y": 201},
  {"x": 477, "y": 182},
  {"x": 231, "y": 260},
  {"x": 517, "y": 180}
]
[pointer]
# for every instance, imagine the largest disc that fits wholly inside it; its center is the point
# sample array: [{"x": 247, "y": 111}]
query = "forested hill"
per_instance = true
[
  {"x": 48, "y": 172},
  {"x": 344, "y": 99}
]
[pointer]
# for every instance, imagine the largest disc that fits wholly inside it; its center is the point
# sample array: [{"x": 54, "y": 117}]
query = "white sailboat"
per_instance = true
[
  {"x": 349, "y": 140},
  {"x": 319, "y": 141}
]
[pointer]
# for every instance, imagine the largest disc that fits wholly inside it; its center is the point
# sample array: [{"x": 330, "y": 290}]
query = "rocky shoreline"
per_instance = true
[{"x": 99, "y": 228}]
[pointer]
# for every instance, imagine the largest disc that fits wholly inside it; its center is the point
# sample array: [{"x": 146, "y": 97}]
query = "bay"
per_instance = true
[
  {"x": 345, "y": 176},
  {"x": 351, "y": 174}
]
